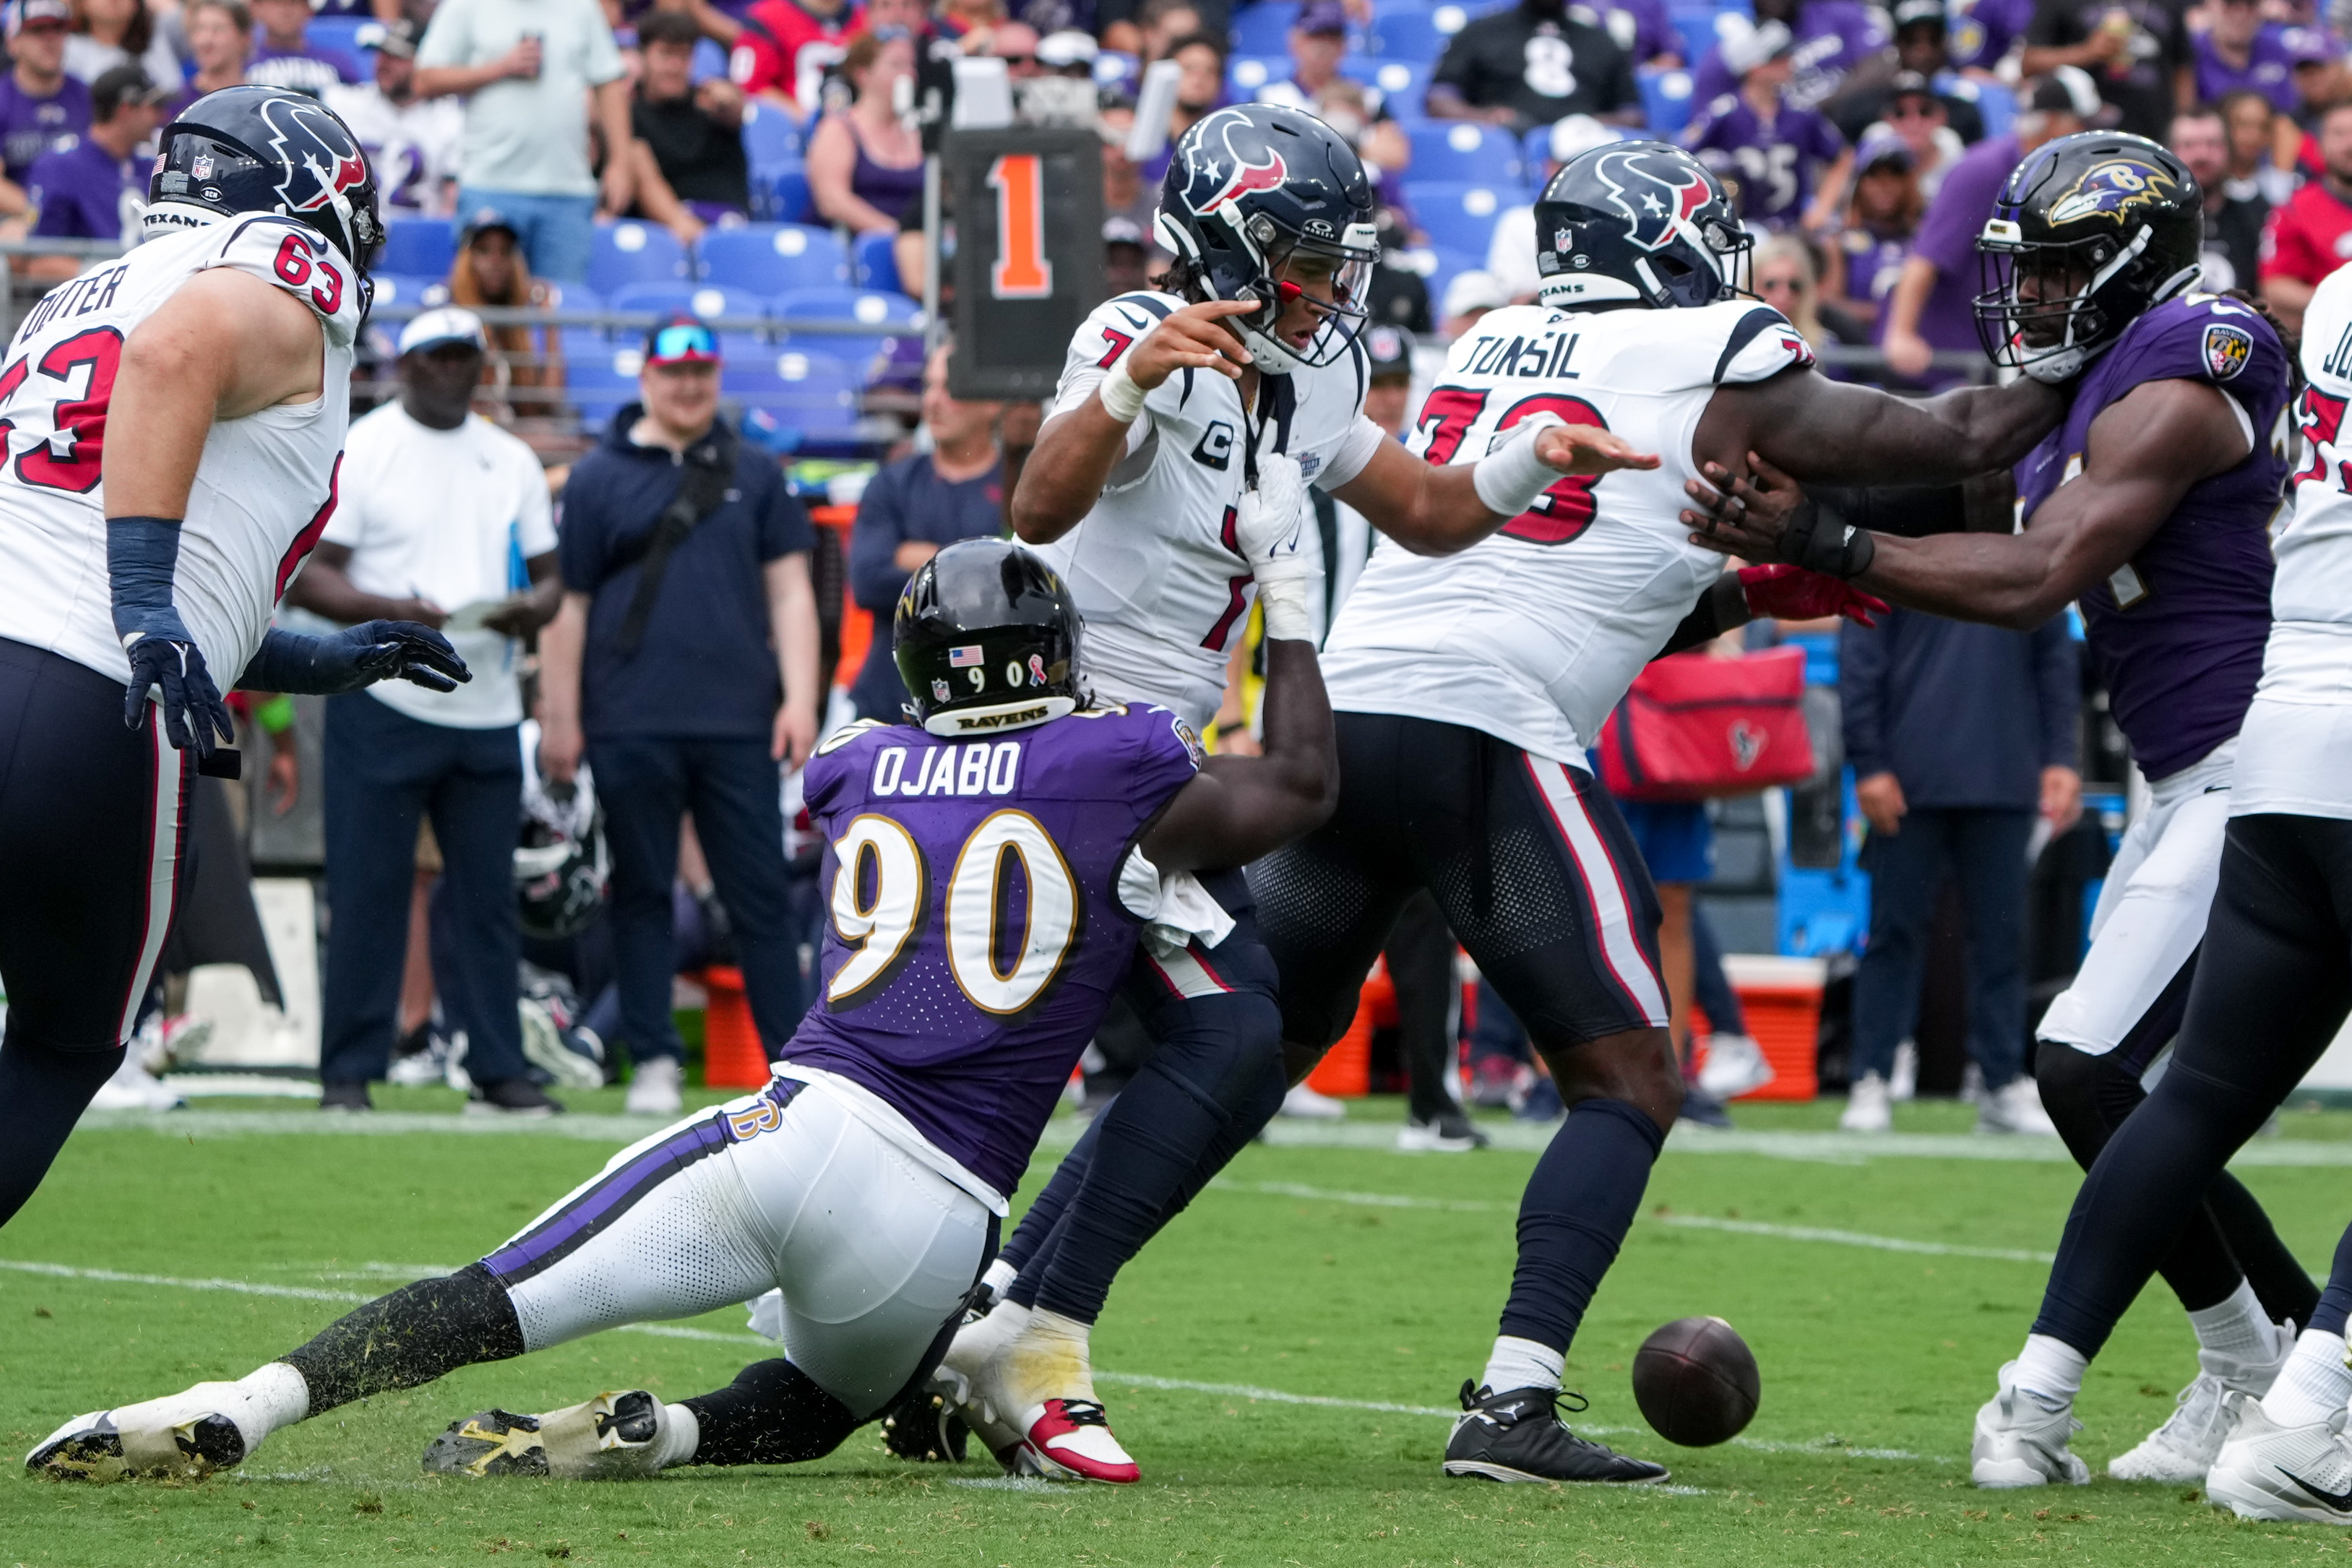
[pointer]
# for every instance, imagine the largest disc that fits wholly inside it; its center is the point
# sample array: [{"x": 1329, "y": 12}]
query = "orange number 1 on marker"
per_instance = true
[{"x": 1020, "y": 270}]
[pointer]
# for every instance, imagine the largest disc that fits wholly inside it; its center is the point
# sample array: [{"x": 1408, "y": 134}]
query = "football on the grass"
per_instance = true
[{"x": 1696, "y": 1382}]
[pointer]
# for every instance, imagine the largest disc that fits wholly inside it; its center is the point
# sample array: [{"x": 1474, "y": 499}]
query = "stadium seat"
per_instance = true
[
  {"x": 812, "y": 398},
  {"x": 600, "y": 374},
  {"x": 874, "y": 263},
  {"x": 632, "y": 252},
  {"x": 406, "y": 288},
  {"x": 780, "y": 192},
  {"x": 1666, "y": 104},
  {"x": 1465, "y": 151},
  {"x": 418, "y": 244},
  {"x": 710, "y": 60},
  {"x": 1402, "y": 86},
  {"x": 1997, "y": 104},
  {"x": 710, "y": 301},
  {"x": 1115, "y": 68},
  {"x": 1245, "y": 74},
  {"x": 1407, "y": 32},
  {"x": 769, "y": 135},
  {"x": 1448, "y": 265},
  {"x": 337, "y": 33},
  {"x": 889, "y": 316},
  {"x": 1459, "y": 215},
  {"x": 770, "y": 257},
  {"x": 1701, "y": 27},
  {"x": 1264, "y": 29},
  {"x": 1448, "y": 18}
]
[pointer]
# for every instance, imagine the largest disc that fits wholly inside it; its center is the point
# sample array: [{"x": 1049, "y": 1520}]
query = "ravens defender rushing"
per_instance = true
[
  {"x": 1188, "y": 421},
  {"x": 173, "y": 423},
  {"x": 988, "y": 869},
  {"x": 2152, "y": 506}
]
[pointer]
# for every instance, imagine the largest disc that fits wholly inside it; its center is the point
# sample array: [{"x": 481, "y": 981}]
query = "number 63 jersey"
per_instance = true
[
  {"x": 976, "y": 931},
  {"x": 1534, "y": 633},
  {"x": 265, "y": 485}
]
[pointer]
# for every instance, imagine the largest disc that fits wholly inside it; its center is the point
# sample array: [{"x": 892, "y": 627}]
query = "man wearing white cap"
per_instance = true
[{"x": 444, "y": 520}]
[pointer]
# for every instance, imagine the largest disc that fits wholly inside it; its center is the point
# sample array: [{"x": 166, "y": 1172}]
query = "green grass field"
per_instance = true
[{"x": 1280, "y": 1361}]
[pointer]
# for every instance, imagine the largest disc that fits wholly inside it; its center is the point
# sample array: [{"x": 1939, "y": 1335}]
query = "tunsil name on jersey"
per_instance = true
[{"x": 1537, "y": 358}]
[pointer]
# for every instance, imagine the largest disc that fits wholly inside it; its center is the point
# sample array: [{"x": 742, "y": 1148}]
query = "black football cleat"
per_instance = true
[
  {"x": 925, "y": 1427},
  {"x": 1519, "y": 1435},
  {"x": 490, "y": 1443},
  {"x": 159, "y": 1446}
]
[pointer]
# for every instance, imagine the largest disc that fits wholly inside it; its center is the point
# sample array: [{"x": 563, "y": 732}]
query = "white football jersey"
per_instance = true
[
  {"x": 1154, "y": 568},
  {"x": 265, "y": 485},
  {"x": 2295, "y": 750},
  {"x": 1534, "y": 633}
]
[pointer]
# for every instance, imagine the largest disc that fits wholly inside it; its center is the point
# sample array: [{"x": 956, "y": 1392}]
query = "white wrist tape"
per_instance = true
[
  {"x": 1122, "y": 398},
  {"x": 1284, "y": 600},
  {"x": 1509, "y": 478}
]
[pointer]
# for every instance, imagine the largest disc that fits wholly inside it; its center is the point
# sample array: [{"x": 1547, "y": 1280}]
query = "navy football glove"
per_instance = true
[
  {"x": 141, "y": 554},
  {"x": 356, "y": 656}
]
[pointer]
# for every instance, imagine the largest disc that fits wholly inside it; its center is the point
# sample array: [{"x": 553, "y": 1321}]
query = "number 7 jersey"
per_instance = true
[
  {"x": 1534, "y": 633},
  {"x": 264, "y": 487}
]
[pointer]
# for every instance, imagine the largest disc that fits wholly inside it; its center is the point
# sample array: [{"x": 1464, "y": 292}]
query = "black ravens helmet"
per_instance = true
[
  {"x": 2091, "y": 230},
  {"x": 267, "y": 150},
  {"x": 987, "y": 640},
  {"x": 1268, "y": 201},
  {"x": 1639, "y": 221},
  {"x": 561, "y": 866}
]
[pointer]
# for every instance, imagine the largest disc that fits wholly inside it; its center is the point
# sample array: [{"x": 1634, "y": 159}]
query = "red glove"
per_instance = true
[{"x": 1793, "y": 594}]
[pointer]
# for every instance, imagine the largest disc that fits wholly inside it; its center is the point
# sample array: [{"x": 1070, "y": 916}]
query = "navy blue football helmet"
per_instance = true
[
  {"x": 1639, "y": 221},
  {"x": 2089, "y": 231},
  {"x": 1251, "y": 187},
  {"x": 986, "y": 639},
  {"x": 267, "y": 150}
]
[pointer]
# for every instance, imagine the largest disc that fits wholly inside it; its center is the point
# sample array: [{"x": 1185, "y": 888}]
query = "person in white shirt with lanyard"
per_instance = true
[{"x": 445, "y": 519}]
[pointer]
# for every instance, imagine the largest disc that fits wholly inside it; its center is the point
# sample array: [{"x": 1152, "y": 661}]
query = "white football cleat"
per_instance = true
[
  {"x": 1734, "y": 1066},
  {"x": 619, "y": 1435},
  {"x": 1070, "y": 1439},
  {"x": 1867, "y": 1106},
  {"x": 2182, "y": 1449},
  {"x": 653, "y": 1088},
  {"x": 962, "y": 1380},
  {"x": 2268, "y": 1471},
  {"x": 182, "y": 1435},
  {"x": 2015, "y": 1106},
  {"x": 2020, "y": 1443},
  {"x": 1302, "y": 1101},
  {"x": 1032, "y": 1384}
]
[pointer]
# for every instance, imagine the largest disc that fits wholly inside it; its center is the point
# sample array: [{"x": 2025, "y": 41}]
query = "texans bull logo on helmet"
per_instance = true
[
  {"x": 319, "y": 160},
  {"x": 1658, "y": 195},
  {"x": 2110, "y": 190}
]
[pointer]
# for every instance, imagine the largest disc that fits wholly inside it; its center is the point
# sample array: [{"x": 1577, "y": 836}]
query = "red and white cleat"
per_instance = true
[{"x": 1070, "y": 1439}]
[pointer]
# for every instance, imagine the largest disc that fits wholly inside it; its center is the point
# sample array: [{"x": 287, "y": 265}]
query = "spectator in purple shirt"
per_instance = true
[
  {"x": 90, "y": 186},
  {"x": 1880, "y": 221},
  {"x": 1779, "y": 154},
  {"x": 1932, "y": 306},
  {"x": 285, "y": 58},
  {"x": 1832, "y": 37},
  {"x": 2241, "y": 51},
  {"x": 1644, "y": 29},
  {"x": 40, "y": 105},
  {"x": 1983, "y": 33}
]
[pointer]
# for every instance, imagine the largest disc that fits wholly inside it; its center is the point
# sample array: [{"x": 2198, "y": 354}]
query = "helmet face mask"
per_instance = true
[
  {"x": 2089, "y": 233},
  {"x": 1639, "y": 223}
]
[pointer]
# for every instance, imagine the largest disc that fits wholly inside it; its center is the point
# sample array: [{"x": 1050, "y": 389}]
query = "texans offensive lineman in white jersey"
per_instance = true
[
  {"x": 1188, "y": 421},
  {"x": 172, "y": 424},
  {"x": 1468, "y": 686}
]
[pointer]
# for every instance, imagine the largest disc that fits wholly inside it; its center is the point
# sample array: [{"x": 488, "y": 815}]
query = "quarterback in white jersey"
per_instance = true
[
  {"x": 1467, "y": 687},
  {"x": 173, "y": 423},
  {"x": 1167, "y": 488}
]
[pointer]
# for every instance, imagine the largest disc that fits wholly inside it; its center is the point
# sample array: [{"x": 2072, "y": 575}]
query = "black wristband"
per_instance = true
[{"x": 1820, "y": 540}]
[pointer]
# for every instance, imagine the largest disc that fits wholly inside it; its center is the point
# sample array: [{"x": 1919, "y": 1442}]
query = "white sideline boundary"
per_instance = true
[{"x": 1828, "y": 1444}]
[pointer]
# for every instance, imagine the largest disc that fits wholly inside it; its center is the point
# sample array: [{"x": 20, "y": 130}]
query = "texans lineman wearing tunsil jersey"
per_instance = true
[
  {"x": 1466, "y": 688},
  {"x": 1189, "y": 420},
  {"x": 173, "y": 422}
]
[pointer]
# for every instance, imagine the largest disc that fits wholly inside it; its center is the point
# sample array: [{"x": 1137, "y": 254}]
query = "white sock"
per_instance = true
[
  {"x": 1523, "y": 1364},
  {"x": 681, "y": 1436},
  {"x": 2314, "y": 1383},
  {"x": 2051, "y": 1371},
  {"x": 1050, "y": 1359},
  {"x": 999, "y": 1278},
  {"x": 2236, "y": 1327},
  {"x": 274, "y": 1396}
]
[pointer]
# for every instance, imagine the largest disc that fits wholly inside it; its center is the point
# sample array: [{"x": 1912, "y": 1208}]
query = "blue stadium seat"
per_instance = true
[
  {"x": 1117, "y": 67},
  {"x": 1406, "y": 33},
  {"x": 1449, "y": 264},
  {"x": 1997, "y": 104},
  {"x": 874, "y": 263},
  {"x": 1264, "y": 29},
  {"x": 890, "y": 316},
  {"x": 337, "y": 33},
  {"x": 811, "y": 397},
  {"x": 780, "y": 192},
  {"x": 419, "y": 244},
  {"x": 1457, "y": 215},
  {"x": 710, "y": 301},
  {"x": 1466, "y": 150},
  {"x": 1698, "y": 25},
  {"x": 1245, "y": 74},
  {"x": 1403, "y": 85},
  {"x": 633, "y": 252},
  {"x": 1666, "y": 104},
  {"x": 710, "y": 60},
  {"x": 1449, "y": 17},
  {"x": 770, "y": 257},
  {"x": 769, "y": 135},
  {"x": 407, "y": 287},
  {"x": 600, "y": 375}
]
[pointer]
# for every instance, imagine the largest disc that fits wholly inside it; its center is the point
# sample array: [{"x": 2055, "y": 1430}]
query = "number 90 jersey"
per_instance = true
[
  {"x": 1534, "y": 633},
  {"x": 976, "y": 931},
  {"x": 264, "y": 486}
]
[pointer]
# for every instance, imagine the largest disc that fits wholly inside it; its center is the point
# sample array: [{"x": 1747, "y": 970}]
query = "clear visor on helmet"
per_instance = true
[
  {"x": 1322, "y": 293},
  {"x": 2038, "y": 298},
  {"x": 1733, "y": 247}
]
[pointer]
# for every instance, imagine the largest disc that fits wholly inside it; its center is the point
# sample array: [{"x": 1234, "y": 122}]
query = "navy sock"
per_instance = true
[
  {"x": 2335, "y": 1301},
  {"x": 43, "y": 1092},
  {"x": 1029, "y": 1237},
  {"x": 1579, "y": 1202},
  {"x": 1215, "y": 1080}
]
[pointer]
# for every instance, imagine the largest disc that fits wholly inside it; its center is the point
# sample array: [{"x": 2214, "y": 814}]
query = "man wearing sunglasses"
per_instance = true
[{"x": 684, "y": 662}]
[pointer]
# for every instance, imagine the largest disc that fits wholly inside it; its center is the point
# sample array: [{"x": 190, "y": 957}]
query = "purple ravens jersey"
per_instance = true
[
  {"x": 2178, "y": 632},
  {"x": 976, "y": 932},
  {"x": 1774, "y": 164}
]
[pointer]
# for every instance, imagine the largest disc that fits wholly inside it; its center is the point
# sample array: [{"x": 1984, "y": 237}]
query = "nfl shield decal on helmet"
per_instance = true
[
  {"x": 2227, "y": 349},
  {"x": 2111, "y": 190}
]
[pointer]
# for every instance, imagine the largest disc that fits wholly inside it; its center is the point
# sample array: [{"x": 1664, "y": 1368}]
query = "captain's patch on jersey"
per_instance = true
[{"x": 2227, "y": 350}]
